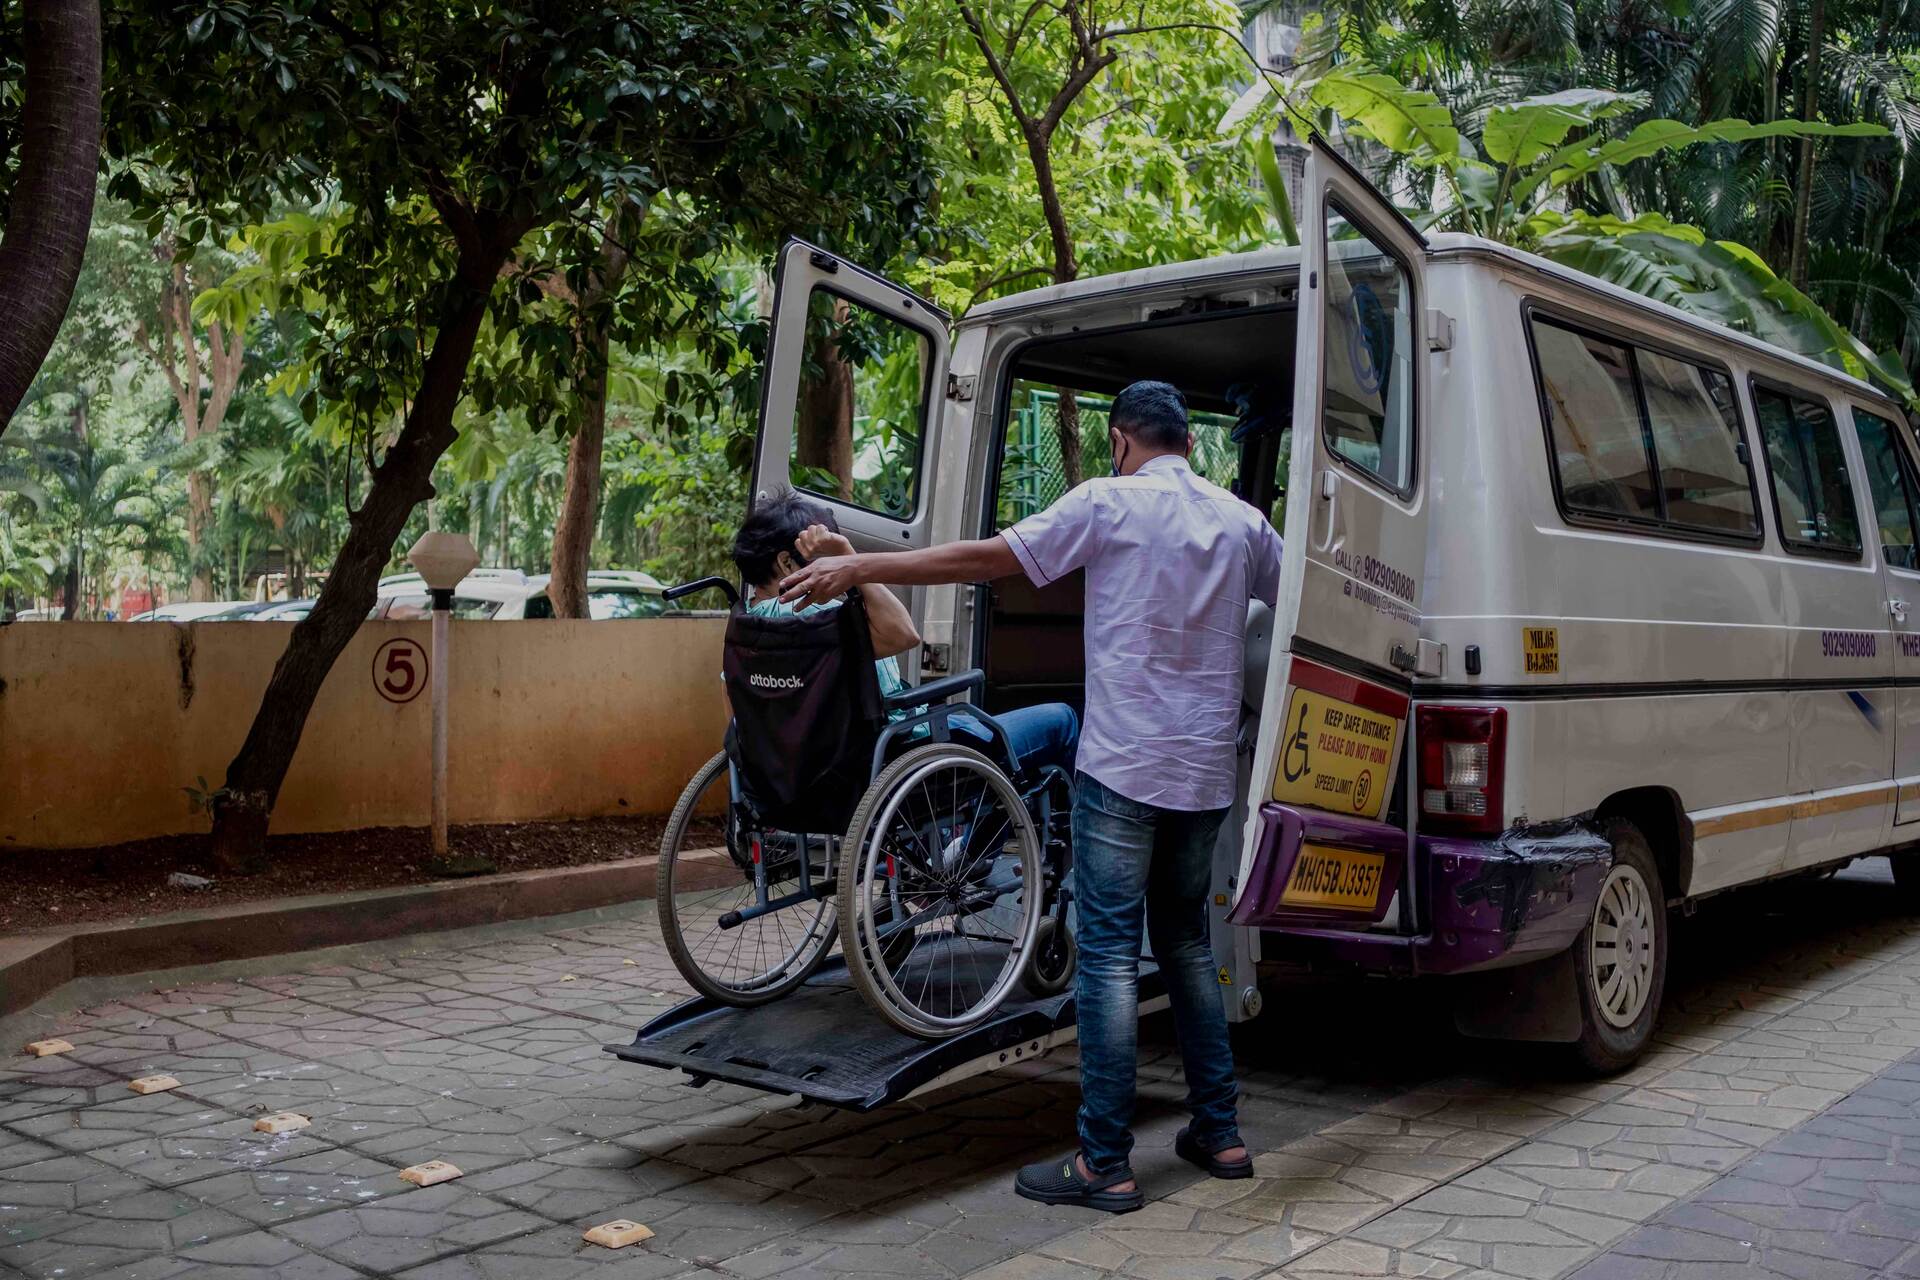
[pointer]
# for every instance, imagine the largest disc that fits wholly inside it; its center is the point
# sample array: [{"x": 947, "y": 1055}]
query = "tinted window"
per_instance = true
[
  {"x": 856, "y": 427},
  {"x": 1599, "y": 444},
  {"x": 1706, "y": 481},
  {"x": 1890, "y": 476},
  {"x": 1368, "y": 362},
  {"x": 1809, "y": 471}
]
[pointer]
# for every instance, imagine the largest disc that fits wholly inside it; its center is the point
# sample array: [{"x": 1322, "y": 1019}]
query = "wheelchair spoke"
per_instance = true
[
  {"x": 788, "y": 918},
  {"x": 955, "y": 862}
]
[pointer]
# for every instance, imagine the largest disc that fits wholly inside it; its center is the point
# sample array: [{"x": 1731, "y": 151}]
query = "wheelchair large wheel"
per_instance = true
[
  {"x": 714, "y": 902},
  {"x": 943, "y": 853}
]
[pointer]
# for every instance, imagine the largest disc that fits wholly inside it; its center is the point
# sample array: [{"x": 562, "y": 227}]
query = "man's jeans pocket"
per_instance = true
[{"x": 1095, "y": 795}]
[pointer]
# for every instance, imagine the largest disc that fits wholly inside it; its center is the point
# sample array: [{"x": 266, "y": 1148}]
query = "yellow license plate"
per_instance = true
[{"x": 1341, "y": 879}]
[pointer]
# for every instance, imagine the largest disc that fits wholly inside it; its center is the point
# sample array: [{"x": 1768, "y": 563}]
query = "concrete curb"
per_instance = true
[{"x": 34, "y": 964}]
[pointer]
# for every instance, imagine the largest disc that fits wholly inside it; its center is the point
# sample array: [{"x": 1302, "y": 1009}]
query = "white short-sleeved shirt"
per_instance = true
[{"x": 1171, "y": 562}]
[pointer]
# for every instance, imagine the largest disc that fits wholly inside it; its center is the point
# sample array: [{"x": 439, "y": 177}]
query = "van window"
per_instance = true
[
  {"x": 1641, "y": 435},
  {"x": 1890, "y": 477},
  {"x": 1706, "y": 478},
  {"x": 1811, "y": 492},
  {"x": 861, "y": 409},
  {"x": 1368, "y": 361},
  {"x": 1599, "y": 444}
]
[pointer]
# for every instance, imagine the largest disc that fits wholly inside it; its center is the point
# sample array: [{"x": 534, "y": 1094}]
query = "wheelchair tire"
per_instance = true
[
  {"x": 1050, "y": 965},
  {"x": 685, "y": 893},
  {"x": 879, "y": 973}
]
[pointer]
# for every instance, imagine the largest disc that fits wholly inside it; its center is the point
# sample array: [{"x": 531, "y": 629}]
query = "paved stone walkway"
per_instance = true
[
  {"x": 1838, "y": 1198},
  {"x": 1385, "y": 1146}
]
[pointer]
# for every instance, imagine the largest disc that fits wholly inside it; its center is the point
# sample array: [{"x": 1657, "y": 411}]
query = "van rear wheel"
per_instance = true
[{"x": 1620, "y": 958}]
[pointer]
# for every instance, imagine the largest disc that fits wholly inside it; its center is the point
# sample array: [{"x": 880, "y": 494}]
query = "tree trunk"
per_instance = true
[
  {"x": 222, "y": 377},
  {"x": 580, "y": 501},
  {"x": 1809, "y": 107},
  {"x": 580, "y": 504},
  {"x": 46, "y": 232},
  {"x": 401, "y": 482},
  {"x": 70, "y": 588},
  {"x": 199, "y": 521},
  {"x": 1066, "y": 266},
  {"x": 823, "y": 429}
]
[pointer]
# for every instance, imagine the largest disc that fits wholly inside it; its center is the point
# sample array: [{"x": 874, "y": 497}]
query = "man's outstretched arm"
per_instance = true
[{"x": 829, "y": 578}]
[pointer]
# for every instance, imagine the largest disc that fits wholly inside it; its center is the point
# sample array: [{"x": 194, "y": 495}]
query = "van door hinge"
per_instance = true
[
  {"x": 1430, "y": 659},
  {"x": 960, "y": 386},
  {"x": 935, "y": 657},
  {"x": 1439, "y": 331}
]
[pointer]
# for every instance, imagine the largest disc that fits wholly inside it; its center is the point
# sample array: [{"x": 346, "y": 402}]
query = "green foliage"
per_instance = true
[
  {"x": 420, "y": 137},
  {"x": 1693, "y": 63},
  {"x": 1144, "y": 175},
  {"x": 1515, "y": 186}
]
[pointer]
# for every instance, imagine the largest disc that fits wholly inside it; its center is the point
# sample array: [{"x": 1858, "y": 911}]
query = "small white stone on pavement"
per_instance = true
[
  {"x": 430, "y": 1173},
  {"x": 618, "y": 1234}
]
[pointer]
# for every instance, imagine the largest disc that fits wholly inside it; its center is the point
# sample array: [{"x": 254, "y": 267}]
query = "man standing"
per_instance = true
[{"x": 1171, "y": 563}]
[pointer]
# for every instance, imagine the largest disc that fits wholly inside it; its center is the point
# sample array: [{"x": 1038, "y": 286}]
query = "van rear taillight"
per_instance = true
[{"x": 1463, "y": 757}]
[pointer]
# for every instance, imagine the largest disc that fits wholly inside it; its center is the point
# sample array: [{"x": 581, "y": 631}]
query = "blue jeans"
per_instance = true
[
  {"x": 1040, "y": 736},
  {"x": 1133, "y": 861}
]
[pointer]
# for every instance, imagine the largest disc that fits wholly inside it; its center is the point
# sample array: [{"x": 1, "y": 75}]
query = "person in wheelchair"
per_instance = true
[{"x": 786, "y": 531}]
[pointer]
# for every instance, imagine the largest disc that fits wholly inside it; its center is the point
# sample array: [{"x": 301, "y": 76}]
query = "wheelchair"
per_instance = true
[{"x": 939, "y": 862}]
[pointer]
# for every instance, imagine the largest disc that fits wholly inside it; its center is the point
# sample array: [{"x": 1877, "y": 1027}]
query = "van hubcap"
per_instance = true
[{"x": 1621, "y": 953}]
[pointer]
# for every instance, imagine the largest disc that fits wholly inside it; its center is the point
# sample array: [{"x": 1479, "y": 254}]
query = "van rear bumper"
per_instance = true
[{"x": 1517, "y": 897}]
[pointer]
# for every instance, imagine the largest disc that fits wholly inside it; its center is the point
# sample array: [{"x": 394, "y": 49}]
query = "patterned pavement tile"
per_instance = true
[{"x": 1756, "y": 1110}]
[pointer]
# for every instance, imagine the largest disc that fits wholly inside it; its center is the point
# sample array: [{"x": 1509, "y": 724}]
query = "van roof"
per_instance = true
[{"x": 1228, "y": 267}]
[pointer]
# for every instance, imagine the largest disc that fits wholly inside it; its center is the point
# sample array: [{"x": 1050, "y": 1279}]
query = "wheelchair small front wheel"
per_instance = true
[
  {"x": 1049, "y": 969},
  {"x": 745, "y": 914},
  {"x": 943, "y": 852}
]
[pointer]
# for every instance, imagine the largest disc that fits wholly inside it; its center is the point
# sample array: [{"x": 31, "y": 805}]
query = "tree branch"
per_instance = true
[
  {"x": 994, "y": 65},
  {"x": 1008, "y": 278}
]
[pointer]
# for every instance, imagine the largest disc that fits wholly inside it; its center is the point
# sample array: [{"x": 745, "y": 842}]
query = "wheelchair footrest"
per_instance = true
[{"x": 823, "y": 1044}]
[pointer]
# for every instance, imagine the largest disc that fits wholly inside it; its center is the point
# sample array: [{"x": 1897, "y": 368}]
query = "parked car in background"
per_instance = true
[
  {"x": 507, "y": 595},
  {"x": 283, "y": 611},
  {"x": 188, "y": 611},
  {"x": 250, "y": 609}
]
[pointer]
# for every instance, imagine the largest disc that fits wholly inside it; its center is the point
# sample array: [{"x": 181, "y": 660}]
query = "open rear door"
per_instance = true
[
  {"x": 1319, "y": 849},
  {"x": 855, "y": 377}
]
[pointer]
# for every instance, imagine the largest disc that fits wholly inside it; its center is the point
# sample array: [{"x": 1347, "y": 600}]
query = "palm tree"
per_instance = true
[
  {"x": 1838, "y": 218},
  {"x": 94, "y": 493}
]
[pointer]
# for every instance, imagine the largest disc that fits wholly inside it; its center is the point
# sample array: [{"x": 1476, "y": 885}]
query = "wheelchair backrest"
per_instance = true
[{"x": 806, "y": 714}]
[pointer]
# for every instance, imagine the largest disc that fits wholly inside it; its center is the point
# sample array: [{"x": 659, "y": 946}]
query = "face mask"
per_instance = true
[{"x": 1118, "y": 457}]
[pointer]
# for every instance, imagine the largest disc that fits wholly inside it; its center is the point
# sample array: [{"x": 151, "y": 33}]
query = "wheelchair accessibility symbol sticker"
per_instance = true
[
  {"x": 1295, "y": 763},
  {"x": 1334, "y": 754}
]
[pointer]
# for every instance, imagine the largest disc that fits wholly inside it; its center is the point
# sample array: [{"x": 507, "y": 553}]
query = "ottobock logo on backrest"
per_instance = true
[{"x": 759, "y": 681}]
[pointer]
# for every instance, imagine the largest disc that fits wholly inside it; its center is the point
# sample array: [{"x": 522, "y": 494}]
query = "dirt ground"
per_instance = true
[{"x": 55, "y": 888}]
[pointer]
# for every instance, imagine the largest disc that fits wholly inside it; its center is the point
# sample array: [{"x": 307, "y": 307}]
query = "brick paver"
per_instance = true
[
  {"x": 1383, "y": 1146},
  {"x": 1838, "y": 1198}
]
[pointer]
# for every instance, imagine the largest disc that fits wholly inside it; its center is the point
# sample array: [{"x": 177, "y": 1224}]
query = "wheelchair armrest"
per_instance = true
[{"x": 937, "y": 690}]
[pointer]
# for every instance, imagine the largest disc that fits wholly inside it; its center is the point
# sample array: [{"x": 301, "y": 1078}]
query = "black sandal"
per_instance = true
[
  {"x": 1187, "y": 1149},
  {"x": 1059, "y": 1182}
]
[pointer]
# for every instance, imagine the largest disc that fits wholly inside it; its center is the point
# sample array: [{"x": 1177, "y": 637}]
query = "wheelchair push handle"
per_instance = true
[{"x": 704, "y": 584}]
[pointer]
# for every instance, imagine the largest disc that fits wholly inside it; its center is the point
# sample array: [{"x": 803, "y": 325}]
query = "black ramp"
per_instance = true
[{"x": 822, "y": 1043}]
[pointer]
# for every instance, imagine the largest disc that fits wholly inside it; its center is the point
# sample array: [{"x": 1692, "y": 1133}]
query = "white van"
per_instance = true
[{"x": 1590, "y": 608}]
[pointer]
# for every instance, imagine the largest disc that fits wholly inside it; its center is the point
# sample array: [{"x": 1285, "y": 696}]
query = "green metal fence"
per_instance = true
[{"x": 1031, "y": 478}]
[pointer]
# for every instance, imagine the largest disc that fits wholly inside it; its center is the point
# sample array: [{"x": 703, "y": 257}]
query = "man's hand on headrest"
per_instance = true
[
  {"x": 821, "y": 582},
  {"x": 816, "y": 540}
]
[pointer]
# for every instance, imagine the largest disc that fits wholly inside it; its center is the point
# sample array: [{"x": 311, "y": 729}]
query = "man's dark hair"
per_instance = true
[
  {"x": 1154, "y": 413},
  {"x": 774, "y": 525}
]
